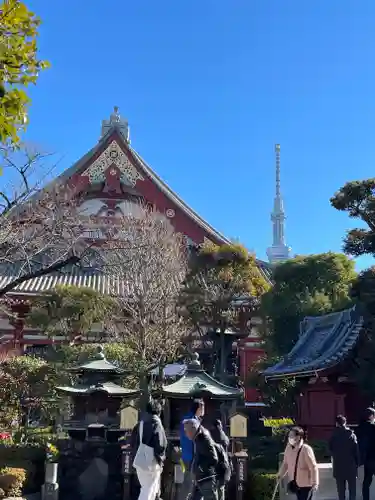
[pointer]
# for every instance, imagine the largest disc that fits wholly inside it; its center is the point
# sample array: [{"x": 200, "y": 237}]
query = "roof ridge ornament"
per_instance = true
[
  {"x": 99, "y": 355},
  {"x": 115, "y": 116},
  {"x": 115, "y": 121}
]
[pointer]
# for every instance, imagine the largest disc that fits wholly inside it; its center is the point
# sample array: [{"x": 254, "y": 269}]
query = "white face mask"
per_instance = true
[{"x": 292, "y": 441}]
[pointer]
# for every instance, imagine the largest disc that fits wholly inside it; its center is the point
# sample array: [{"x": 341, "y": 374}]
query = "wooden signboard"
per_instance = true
[
  {"x": 238, "y": 426},
  {"x": 129, "y": 418}
]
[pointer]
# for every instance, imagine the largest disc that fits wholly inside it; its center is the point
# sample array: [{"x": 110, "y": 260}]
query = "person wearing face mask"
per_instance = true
[
  {"x": 366, "y": 442},
  {"x": 300, "y": 466}
]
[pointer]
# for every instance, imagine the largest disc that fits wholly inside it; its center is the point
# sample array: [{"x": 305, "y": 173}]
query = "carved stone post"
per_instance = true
[
  {"x": 126, "y": 468},
  {"x": 50, "y": 488},
  {"x": 241, "y": 473}
]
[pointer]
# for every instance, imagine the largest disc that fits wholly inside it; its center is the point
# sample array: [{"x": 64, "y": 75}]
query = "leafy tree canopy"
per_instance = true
[
  {"x": 363, "y": 359},
  {"x": 20, "y": 65},
  {"x": 66, "y": 356},
  {"x": 305, "y": 286},
  {"x": 25, "y": 381},
  {"x": 357, "y": 199},
  {"x": 220, "y": 278},
  {"x": 71, "y": 311}
]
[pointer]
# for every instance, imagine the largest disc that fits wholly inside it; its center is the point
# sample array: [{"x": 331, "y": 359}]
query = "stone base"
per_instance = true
[
  {"x": 327, "y": 485},
  {"x": 50, "y": 491}
]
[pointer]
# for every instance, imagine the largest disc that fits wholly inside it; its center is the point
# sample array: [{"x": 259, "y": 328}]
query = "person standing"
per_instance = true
[
  {"x": 366, "y": 442},
  {"x": 224, "y": 468},
  {"x": 300, "y": 466},
  {"x": 150, "y": 432},
  {"x": 187, "y": 448},
  {"x": 344, "y": 450},
  {"x": 204, "y": 462}
]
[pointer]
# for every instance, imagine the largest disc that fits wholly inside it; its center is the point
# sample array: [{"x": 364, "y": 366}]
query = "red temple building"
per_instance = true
[
  {"x": 111, "y": 179},
  {"x": 321, "y": 362}
]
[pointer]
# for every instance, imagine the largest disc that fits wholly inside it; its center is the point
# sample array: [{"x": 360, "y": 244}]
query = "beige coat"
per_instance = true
[{"x": 307, "y": 468}]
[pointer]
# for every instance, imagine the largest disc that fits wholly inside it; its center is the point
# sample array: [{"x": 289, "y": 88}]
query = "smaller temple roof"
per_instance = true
[
  {"x": 109, "y": 387},
  {"x": 323, "y": 343},
  {"x": 196, "y": 380},
  {"x": 99, "y": 364}
]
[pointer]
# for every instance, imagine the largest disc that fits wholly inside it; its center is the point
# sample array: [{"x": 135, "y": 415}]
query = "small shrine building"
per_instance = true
[
  {"x": 96, "y": 397},
  {"x": 321, "y": 362},
  {"x": 197, "y": 384}
]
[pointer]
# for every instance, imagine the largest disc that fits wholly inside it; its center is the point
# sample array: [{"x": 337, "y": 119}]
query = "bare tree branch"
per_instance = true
[
  {"x": 40, "y": 228},
  {"x": 149, "y": 258}
]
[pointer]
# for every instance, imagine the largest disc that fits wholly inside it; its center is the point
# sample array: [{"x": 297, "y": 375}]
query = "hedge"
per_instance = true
[
  {"x": 261, "y": 485},
  {"x": 12, "y": 481},
  {"x": 27, "y": 457}
]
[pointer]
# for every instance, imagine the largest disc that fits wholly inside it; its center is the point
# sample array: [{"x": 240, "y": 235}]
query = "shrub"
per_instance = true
[
  {"x": 28, "y": 457},
  {"x": 321, "y": 450},
  {"x": 264, "y": 452},
  {"x": 261, "y": 485},
  {"x": 12, "y": 481}
]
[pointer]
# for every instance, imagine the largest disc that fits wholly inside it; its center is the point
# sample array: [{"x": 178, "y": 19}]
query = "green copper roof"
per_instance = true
[
  {"x": 196, "y": 381},
  {"x": 109, "y": 387},
  {"x": 98, "y": 364}
]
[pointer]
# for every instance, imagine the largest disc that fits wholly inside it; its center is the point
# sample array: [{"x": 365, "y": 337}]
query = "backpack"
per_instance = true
[{"x": 223, "y": 468}]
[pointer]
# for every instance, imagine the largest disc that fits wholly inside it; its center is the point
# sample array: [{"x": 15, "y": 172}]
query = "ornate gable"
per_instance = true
[{"x": 113, "y": 156}]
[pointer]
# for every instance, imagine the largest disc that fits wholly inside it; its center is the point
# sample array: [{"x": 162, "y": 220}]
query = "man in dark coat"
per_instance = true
[
  {"x": 345, "y": 458},
  {"x": 204, "y": 462},
  {"x": 366, "y": 441}
]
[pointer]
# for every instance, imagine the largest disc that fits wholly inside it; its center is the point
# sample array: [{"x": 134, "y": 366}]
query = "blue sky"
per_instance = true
[{"x": 208, "y": 87}]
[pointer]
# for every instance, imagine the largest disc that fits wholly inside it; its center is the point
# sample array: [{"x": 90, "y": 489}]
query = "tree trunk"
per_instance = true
[
  {"x": 222, "y": 356},
  {"x": 145, "y": 391}
]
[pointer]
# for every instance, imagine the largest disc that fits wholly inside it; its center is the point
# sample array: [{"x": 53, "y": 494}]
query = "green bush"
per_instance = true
[
  {"x": 264, "y": 451},
  {"x": 12, "y": 481},
  {"x": 31, "y": 458},
  {"x": 261, "y": 485},
  {"x": 321, "y": 450}
]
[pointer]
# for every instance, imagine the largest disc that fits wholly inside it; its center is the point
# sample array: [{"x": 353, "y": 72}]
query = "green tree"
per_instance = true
[
  {"x": 357, "y": 199},
  {"x": 65, "y": 356},
  {"x": 71, "y": 311},
  {"x": 304, "y": 286},
  {"x": 363, "y": 358},
  {"x": 310, "y": 285},
  {"x": 19, "y": 65},
  {"x": 26, "y": 383},
  {"x": 222, "y": 291}
]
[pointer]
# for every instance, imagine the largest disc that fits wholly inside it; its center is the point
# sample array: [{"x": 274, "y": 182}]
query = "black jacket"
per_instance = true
[
  {"x": 153, "y": 436},
  {"x": 345, "y": 452},
  {"x": 366, "y": 441},
  {"x": 205, "y": 455},
  {"x": 219, "y": 436}
]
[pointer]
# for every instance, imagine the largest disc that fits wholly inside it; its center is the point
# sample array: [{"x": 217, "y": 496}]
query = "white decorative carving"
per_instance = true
[
  {"x": 170, "y": 213},
  {"x": 113, "y": 155}
]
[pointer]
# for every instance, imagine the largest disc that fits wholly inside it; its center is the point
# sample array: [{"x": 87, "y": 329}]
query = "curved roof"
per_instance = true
[
  {"x": 323, "y": 343},
  {"x": 196, "y": 381},
  {"x": 98, "y": 365},
  {"x": 107, "y": 387}
]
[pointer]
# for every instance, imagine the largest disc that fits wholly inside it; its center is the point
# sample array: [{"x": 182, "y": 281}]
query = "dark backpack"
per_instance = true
[{"x": 223, "y": 468}]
